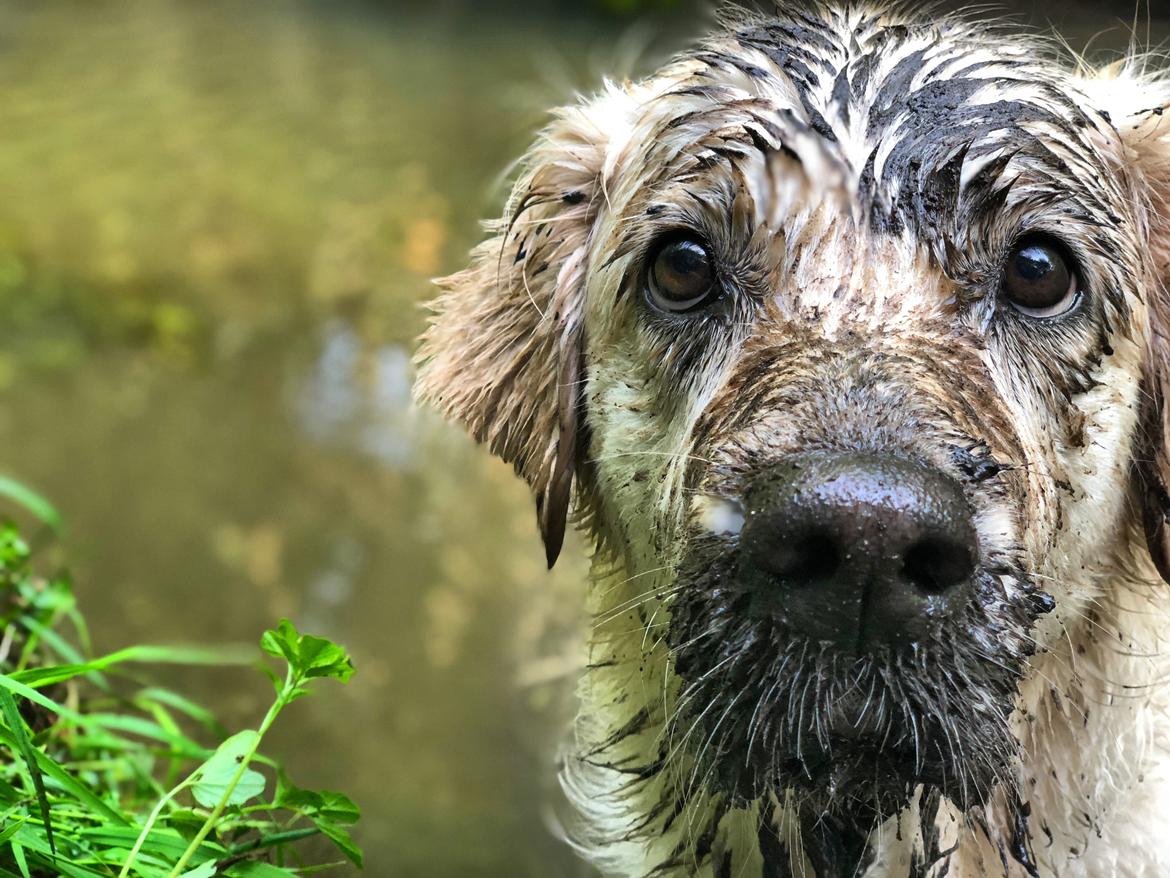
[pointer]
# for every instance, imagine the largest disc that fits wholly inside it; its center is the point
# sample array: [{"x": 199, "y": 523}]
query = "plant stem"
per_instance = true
[
  {"x": 279, "y": 838},
  {"x": 150, "y": 821},
  {"x": 213, "y": 817}
]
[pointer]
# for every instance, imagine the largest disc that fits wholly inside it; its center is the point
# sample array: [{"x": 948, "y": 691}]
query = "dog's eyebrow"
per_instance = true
[
  {"x": 691, "y": 138},
  {"x": 932, "y": 139}
]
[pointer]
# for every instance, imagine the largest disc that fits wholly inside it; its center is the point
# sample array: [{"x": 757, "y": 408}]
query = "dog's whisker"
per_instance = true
[
  {"x": 627, "y": 580},
  {"x": 667, "y": 454},
  {"x": 632, "y": 604}
]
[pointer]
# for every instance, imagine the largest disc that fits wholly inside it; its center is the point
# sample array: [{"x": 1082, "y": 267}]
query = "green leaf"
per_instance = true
[
  {"x": 60, "y": 645},
  {"x": 16, "y": 725},
  {"x": 326, "y": 805},
  {"x": 11, "y": 829},
  {"x": 66, "y": 781},
  {"x": 277, "y": 680},
  {"x": 155, "y": 655},
  {"x": 14, "y": 551},
  {"x": 207, "y": 870},
  {"x": 25, "y": 496},
  {"x": 281, "y": 642},
  {"x": 9, "y": 793},
  {"x": 308, "y": 656},
  {"x": 341, "y": 839},
  {"x": 197, "y": 712},
  {"x": 18, "y": 855},
  {"x": 185, "y": 821},
  {"x": 167, "y": 842},
  {"x": 145, "y": 728},
  {"x": 217, "y": 774},
  {"x": 17, "y": 688},
  {"x": 323, "y": 658},
  {"x": 257, "y": 869},
  {"x": 275, "y": 841},
  {"x": 34, "y": 845}
]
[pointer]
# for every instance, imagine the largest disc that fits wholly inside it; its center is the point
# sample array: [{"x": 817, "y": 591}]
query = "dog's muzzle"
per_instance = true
[{"x": 862, "y": 551}]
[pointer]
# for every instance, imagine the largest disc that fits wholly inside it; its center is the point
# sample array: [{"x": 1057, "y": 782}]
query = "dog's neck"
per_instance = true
[{"x": 642, "y": 808}]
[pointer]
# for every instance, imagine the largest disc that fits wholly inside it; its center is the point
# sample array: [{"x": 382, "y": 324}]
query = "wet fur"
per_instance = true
[{"x": 860, "y": 173}]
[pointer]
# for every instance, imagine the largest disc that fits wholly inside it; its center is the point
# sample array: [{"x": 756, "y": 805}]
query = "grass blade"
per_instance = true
[
  {"x": 28, "y": 753},
  {"x": 66, "y": 781},
  {"x": 21, "y": 862},
  {"x": 26, "y": 497},
  {"x": 156, "y": 655},
  {"x": 10, "y": 685}
]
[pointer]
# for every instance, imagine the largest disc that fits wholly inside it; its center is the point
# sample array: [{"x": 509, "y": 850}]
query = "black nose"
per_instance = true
[{"x": 859, "y": 550}]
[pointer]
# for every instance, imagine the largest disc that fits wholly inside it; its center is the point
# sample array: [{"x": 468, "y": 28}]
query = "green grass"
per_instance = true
[{"x": 102, "y": 775}]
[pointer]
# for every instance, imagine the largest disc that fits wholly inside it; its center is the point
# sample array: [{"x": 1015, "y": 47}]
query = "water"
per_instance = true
[{"x": 216, "y": 223}]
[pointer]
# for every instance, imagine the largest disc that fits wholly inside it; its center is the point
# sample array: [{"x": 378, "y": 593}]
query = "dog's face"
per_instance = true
[{"x": 847, "y": 328}]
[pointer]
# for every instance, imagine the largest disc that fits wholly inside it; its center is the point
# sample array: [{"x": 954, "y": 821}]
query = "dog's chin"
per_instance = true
[
  {"x": 848, "y": 759},
  {"x": 854, "y": 764},
  {"x": 768, "y": 714}
]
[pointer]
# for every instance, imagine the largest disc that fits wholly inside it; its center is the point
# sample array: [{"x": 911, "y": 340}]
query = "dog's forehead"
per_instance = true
[{"x": 911, "y": 121}]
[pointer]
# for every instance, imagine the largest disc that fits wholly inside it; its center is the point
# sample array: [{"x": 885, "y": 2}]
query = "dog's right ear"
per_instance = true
[
  {"x": 1153, "y": 456},
  {"x": 503, "y": 354},
  {"x": 1139, "y": 106}
]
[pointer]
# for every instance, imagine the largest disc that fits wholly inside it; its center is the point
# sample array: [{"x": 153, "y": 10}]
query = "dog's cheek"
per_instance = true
[
  {"x": 1096, "y": 508},
  {"x": 642, "y": 427},
  {"x": 637, "y": 460},
  {"x": 1083, "y": 543}
]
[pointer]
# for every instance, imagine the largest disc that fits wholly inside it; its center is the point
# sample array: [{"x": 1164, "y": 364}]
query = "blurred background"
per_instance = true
[{"x": 217, "y": 223}]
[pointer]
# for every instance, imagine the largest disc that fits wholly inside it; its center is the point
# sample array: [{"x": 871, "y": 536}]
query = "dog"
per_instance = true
[{"x": 844, "y": 337}]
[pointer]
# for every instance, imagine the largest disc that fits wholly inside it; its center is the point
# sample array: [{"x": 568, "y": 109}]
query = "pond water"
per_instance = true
[{"x": 217, "y": 222}]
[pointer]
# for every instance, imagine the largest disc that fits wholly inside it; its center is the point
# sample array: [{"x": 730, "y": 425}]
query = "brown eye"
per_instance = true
[
  {"x": 1038, "y": 279},
  {"x": 681, "y": 276}
]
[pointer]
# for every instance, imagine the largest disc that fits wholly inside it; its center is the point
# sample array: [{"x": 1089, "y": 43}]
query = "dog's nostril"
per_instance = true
[
  {"x": 935, "y": 566},
  {"x": 796, "y": 560},
  {"x": 814, "y": 558}
]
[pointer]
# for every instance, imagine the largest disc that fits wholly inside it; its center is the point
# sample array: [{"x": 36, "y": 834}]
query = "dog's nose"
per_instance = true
[{"x": 861, "y": 550}]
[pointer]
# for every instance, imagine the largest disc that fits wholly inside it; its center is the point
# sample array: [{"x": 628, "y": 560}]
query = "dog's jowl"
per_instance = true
[{"x": 845, "y": 337}]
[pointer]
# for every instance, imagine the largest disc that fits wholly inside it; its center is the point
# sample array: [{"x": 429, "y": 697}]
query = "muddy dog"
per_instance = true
[{"x": 846, "y": 334}]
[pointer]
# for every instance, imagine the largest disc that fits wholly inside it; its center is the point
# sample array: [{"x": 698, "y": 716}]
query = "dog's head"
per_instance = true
[{"x": 848, "y": 329}]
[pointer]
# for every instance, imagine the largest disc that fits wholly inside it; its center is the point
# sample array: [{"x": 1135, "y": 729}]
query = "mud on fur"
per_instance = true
[{"x": 844, "y": 336}]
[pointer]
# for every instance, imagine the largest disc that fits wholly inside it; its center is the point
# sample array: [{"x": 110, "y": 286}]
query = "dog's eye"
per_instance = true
[
  {"x": 681, "y": 276},
  {"x": 1039, "y": 280}
]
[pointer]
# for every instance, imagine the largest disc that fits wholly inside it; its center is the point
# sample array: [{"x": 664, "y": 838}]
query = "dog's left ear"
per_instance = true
[
  {"x": 503, "y": 354},
  {"x": 1139, "y": 108}
]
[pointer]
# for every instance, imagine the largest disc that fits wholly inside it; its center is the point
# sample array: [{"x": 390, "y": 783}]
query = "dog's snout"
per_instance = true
[{"x": 860, "y": 550}]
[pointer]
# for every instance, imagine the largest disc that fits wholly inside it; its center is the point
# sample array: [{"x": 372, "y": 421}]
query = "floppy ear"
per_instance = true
[
  {"x": 1140, "y": 110},
  {"x": 1153, "y": 152},
  {"x": 503, "y": 354}
]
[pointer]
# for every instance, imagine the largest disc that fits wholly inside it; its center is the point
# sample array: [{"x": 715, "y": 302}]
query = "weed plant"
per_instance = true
[{"x": 101, "y": 775}]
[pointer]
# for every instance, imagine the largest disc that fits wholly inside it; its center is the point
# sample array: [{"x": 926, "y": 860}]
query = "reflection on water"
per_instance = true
[
  {"x": 335, "y": 409},
  {"x": 216, "y": 223}
]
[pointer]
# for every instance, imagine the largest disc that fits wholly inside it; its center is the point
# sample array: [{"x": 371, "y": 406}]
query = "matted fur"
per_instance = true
[{"x": 860, "y": 173}]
